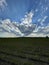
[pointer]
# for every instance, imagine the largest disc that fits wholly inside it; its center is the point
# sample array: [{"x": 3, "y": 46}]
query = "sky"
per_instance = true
[
  {"x": 15, "y": 9},
  {"x": 25, "y": 12}
]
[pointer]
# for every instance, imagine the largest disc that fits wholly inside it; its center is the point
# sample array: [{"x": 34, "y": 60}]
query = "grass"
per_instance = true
[{"x": 24, "y": 51}]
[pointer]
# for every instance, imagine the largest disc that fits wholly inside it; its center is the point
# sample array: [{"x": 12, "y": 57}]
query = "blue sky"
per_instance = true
[
  {"x": 28, "y": 13},
  {"x": 16, "y": 9}
]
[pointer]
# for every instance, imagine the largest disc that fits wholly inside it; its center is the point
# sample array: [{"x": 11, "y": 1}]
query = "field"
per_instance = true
[{"x": 24, "y": 51}]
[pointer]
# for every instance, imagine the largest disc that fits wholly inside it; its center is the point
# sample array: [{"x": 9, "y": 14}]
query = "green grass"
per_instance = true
[{"x": 36, "y": 48}]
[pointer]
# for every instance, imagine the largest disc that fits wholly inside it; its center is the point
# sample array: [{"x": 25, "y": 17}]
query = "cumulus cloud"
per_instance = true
[
  {"x": 26, "y": 26},
  {"x": 3, "y": 4},
  {"x": 40, "y": 32},
  {"x": 27, "y": 20},
  {"x": 9, "y": 28},
  {"x": 18, "y": 29},
  {"x": 45, "y": 29},
  {"x": 14, "y": 29}
]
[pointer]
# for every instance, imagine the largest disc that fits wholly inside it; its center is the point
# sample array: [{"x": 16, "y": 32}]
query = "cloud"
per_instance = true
[
  {"x": 3, "y": 4},
  {"x": 6, "y": 34},
  {"x": 24, "y": 28},
  {"x": 43, "y": 20},
  {"x": 37, "y": 35},
  {"x": 45, "y": 29},
  {"x": 40, "y": 32},
  {"x": 27, "y": 20},
  {"x": 9, "y": 28},
  {"x": 26, "y": 25}
]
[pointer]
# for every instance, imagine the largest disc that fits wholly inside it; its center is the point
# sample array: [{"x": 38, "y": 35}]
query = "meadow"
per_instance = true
[{"x": 24, "y": 51}]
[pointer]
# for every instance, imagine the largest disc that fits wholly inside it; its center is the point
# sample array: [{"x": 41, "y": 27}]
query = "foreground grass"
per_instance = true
[{"x": 24, "y": 51}]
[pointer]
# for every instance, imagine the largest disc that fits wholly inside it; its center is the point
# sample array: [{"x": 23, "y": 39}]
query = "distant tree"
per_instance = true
[{"x": 46, "y": 36}]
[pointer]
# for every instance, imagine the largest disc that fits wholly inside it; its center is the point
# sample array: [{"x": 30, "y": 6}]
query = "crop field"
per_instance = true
[{"x": 24, "y": 51}]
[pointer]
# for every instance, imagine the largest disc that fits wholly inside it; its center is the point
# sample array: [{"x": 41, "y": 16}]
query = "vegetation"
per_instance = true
[{"x": 24, "y": 51}]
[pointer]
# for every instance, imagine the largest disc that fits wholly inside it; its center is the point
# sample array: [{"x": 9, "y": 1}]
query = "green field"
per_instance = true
[{"x": 24, "y": 51}]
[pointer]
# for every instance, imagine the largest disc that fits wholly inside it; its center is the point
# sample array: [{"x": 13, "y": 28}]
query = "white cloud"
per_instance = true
[
  {"x": 39, "y": 20},
  {"x": 37, "y": 35},
  {"x": 3, "y": 4},
  {"x": 42, "y": 29},
  {"x": 25, "y": 28},
  {"x": 40, "y": 32},
  {"x": 43, "y": 20},
  {"x": 26, "y": 25},
  {"x": 18, "y": 29},
  {"x": 9, "y": 28},
  {"x": 46, "y": 29},
  {"x": 6, "y": 34},
  {"x": 28, "y": 18}
]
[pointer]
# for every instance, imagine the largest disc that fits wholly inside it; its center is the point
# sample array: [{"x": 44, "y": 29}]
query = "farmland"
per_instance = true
[{"x": 24, "y": 51}]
